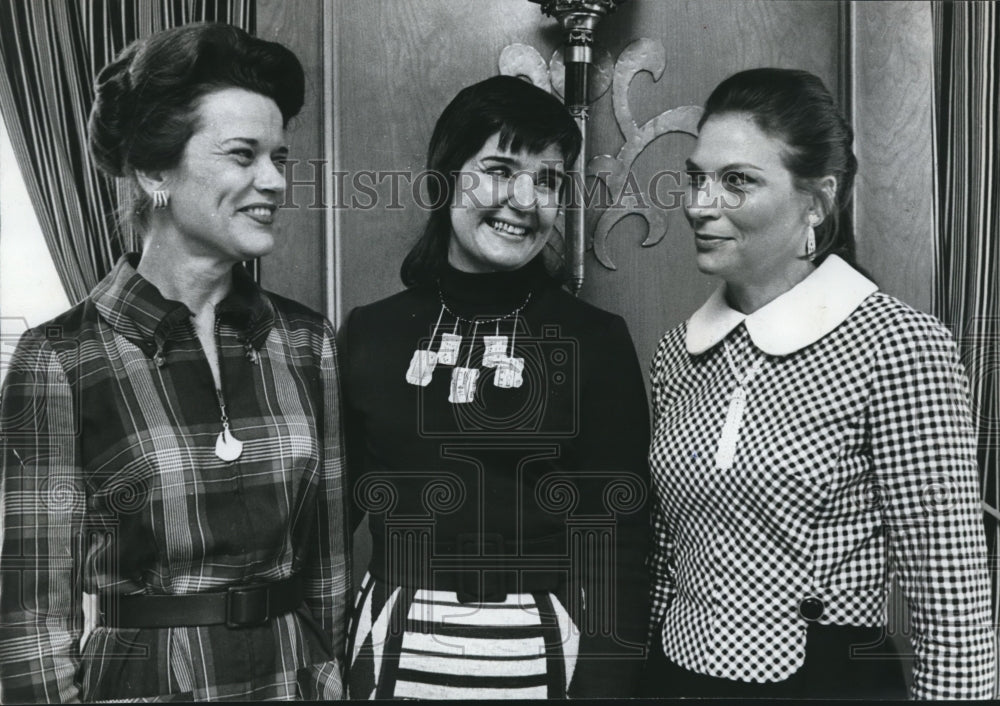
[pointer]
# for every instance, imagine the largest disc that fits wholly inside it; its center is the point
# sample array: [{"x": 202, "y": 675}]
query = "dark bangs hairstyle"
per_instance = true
[
  {"x": 526, "y": 118},
  {"x": 797, "y": 108},
  {"x": 145, "y": 107}
]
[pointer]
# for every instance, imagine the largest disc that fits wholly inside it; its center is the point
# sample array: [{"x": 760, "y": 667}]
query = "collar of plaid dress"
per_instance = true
[
  {"x": 134, "y": 307},
  {"x": 799, "y": 317}
]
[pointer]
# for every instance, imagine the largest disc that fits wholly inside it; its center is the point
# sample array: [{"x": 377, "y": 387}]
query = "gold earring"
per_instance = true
[{"x": 161, "y": 197}]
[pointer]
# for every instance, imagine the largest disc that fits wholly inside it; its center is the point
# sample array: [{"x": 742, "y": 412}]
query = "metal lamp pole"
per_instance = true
[{"x": 578, "y": 19}]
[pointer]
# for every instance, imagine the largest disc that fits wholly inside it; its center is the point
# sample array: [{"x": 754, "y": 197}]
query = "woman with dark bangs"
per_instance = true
[{"x": 497, "y": 437}]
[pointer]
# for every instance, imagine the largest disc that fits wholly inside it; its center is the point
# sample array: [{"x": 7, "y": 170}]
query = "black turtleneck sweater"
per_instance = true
[{"x": 542, "y": 467}]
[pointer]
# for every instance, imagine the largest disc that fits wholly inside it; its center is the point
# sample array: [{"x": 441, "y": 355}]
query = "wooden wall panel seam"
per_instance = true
[
  {"x": 333, "y": 266},
  {"x": 848, "y": 99}
]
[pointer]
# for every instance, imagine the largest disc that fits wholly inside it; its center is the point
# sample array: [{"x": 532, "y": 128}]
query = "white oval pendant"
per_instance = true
[{"x": 227, "y": 446}]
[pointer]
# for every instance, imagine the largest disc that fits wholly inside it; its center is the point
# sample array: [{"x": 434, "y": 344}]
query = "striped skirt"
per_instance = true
[{"x": 424, "y": 644}]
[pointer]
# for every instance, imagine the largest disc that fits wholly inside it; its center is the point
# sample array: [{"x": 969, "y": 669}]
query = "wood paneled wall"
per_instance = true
[
  {"x": 396, "y": 64},
  {"x": 295, "y": 267},
  {"x": 659, "y": 287},
  {"x": 892, "y": 57}
]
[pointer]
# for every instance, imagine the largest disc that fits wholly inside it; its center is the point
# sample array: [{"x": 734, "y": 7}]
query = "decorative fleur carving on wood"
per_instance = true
[
  {"x": 641, "y": 55},
  {"x": 524, "y": 60}
]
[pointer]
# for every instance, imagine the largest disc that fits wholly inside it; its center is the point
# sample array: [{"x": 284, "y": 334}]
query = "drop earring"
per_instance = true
[{"x": 811, "y": 236}]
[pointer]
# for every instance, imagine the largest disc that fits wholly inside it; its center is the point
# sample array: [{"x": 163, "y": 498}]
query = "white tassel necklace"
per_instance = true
[{"x": 730, "y": 434}]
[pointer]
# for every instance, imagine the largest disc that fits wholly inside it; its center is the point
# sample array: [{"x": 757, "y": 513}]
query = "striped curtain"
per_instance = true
[
  {"x": 50, "y": 53},
  {"x": 968, "y": 245}
]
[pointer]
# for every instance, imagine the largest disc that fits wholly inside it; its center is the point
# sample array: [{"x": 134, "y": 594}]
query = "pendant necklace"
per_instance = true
[
  {"x": 730, "y": 433},
  {"x": 424, "y": 360},
  {"x": 450, "y": 343},
  {"x": 509, "y": 370},
  {"x": 495, "y": 348},
  {"x": 463, "y": 379},
  {"x": 227, "y": 446}
]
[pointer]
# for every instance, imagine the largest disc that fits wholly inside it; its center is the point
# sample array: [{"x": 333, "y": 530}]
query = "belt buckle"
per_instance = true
[
  {"x": 242, "y": 606},
  {"x": 482, "y": 585}
]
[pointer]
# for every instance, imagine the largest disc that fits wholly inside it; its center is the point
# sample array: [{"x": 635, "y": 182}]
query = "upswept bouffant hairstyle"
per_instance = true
[
  {"x": 146, "y": 99},
  {"x": 526, "y": 118},
  {"x": 796, "y": 107}
]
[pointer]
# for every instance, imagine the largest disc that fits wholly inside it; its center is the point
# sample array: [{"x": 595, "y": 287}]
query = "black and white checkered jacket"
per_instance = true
[{"x": 856, "y": 460}]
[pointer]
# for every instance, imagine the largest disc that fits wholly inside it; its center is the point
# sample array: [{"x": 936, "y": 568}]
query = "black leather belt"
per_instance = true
[{"x": 237, "y": 607}]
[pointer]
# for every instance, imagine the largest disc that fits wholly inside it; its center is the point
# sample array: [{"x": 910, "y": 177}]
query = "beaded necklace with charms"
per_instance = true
[{"x": 464, "y": 378}]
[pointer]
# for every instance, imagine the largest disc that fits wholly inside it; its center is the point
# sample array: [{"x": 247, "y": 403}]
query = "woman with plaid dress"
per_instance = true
[
  {"x": 812, "y": 438},
  {"x": 172, "y": 522}
]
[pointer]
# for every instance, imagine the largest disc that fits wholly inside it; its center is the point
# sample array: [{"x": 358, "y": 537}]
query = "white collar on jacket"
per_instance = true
[{"x": 801, "y": 316}]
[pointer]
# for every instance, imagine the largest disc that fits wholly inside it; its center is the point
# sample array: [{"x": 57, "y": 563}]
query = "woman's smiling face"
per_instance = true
[
  {"x": 225, "y": 193},
  {"x": 748, "y": 216},
  {"x": 504, "y": 208}
]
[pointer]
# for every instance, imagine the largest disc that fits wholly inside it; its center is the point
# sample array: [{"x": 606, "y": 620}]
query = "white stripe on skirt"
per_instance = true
[{"x": 452, "y": 650}]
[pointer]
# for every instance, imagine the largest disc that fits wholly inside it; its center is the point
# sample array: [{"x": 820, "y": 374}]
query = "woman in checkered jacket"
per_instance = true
[{"x": 813, "y": 438}]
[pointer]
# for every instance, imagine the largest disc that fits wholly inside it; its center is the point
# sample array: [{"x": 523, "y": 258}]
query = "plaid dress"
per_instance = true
[
  {"x": 855, "y": 460},
  {"x": 111, "y": 486}
]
